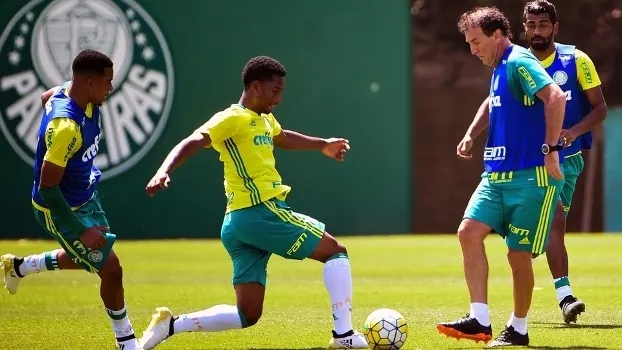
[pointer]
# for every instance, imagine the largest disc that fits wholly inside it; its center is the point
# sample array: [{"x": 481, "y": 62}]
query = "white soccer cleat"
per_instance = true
[
  {"x": 159, "y": 328},
  {"x": 132, "y": 344},
  {"x": 350, "y": 340},
  {"x": 11, "y": 279}
]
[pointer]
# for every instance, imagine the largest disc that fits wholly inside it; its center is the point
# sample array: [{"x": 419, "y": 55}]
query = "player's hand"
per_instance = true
[
  {"x": 159, "y": 182},
  {"x": 567, "y": 137},
  {"x": 464, "y": 148},
  {"x": 551, "y": 162},
  {"x": 336, "y": 148},
  {"x": 93, "y": 237}
]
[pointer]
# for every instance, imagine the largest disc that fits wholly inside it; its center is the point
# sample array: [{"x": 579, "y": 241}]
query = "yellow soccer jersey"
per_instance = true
[
  {"x": 244, "y": 141},
  {"x": 586, "y": 71}
]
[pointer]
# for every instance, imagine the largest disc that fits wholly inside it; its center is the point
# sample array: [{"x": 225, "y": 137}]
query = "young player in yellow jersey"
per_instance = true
[{"x": 257, "y": 220}]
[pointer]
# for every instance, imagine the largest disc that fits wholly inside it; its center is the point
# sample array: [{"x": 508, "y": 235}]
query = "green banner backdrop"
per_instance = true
[{"x": 348, "y": 75}]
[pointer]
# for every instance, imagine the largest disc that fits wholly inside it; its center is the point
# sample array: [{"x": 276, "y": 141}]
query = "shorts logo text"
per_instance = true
[{"x": 298, "y": 244}]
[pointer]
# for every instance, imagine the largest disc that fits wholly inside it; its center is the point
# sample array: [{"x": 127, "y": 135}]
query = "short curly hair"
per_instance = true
[
  {"x": 91, "y": 62},
  {"x": 541, "y": 7},
  {"x": 488, "y": 18},
  {"x": 262, "y": 68}
]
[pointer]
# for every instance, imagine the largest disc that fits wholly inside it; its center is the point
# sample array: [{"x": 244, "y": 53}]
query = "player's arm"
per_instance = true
[
  {"x": 217, "y": 129},
  {"x": 335, "y": 148},
  {"x": 591, "y": 86},
  {"x": 46, "y": 95},
  {"x": 292, "y": 140},
  {"x": 184, "y": 150},
  {"x": 480, "y": 122},
  {"x": 62, "y": 139},
  {"x": 536, "y": 82}
]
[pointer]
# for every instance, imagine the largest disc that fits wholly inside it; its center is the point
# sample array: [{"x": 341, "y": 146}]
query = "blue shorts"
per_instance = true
[{"x": 252, "y": 234}]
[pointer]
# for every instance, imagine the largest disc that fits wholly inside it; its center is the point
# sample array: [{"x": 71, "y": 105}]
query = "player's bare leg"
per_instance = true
[
  {"x": 557, "y": 258},
  {"x": 515, "y": 332},
  {"x": 247, "y": 312},
  {"x": 476, "y": 325},
  {"x": 249, "y": 304},
  {"x": 111, "y": 290},
  {"x": 112, "y": 294},
  {"x": 338, "y": 282},
  {"x": 15, "y": 268}
]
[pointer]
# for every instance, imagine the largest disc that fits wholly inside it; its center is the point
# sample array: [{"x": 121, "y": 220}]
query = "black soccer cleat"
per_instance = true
[
  {"x": 571, "y": 308},
  {"x": 510, "y": 337},
  {"x": 466, "y": 328}
]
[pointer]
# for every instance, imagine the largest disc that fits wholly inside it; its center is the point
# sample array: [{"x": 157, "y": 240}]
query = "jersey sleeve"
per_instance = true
[
  {"x": 219, "y": 127},
  {"x": 62, "y": 140},
  {"x": 532, "y": 76},
  {"x": 586, "y": 71},
  {"x": 276, "y": 126}
]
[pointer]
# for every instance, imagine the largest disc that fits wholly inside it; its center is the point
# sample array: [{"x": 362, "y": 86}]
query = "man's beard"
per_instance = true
[{"x": 541, "y": 45}]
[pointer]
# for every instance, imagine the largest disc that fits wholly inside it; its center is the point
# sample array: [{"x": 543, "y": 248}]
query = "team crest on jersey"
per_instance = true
[
  {"x": 560, "y": 77},
  {"x": 37, "y": 48}
]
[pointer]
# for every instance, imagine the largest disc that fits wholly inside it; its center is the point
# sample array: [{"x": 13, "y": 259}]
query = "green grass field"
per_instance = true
[{"x": 420, "y": 276}]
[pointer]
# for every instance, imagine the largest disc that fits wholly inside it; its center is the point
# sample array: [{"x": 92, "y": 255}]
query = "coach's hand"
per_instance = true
[
  {"x": 93, "y": 237},
  {"x": 336, "y": 148},
  {"x": 551, "y": 162},
  {"x": 159, "y": 182},
  {"x": 464, "y": 148}
]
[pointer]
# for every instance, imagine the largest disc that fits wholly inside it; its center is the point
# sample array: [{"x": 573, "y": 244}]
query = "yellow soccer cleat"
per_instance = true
[
  {"x": 11, "y": 277},
  {"x": 159, "y": 328}
]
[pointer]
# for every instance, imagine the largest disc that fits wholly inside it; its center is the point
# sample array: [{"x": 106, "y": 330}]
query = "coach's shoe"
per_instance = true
[
  {"x": 510, "y": 337},
  {"x": 160, "y": 328},
  {"x": 129, "y": 344},
  {"x": 571, "y": 308},
  {"x": 10, "y": 265},
  {"x": 466, "y": 328},
  {"x": 348, "y": 340}
]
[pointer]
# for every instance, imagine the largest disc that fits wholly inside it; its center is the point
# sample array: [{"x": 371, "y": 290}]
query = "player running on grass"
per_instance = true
[
  {"x": 522, "y": 177},
  {"x": 64, "y": 198},
  {"x": 257, "y": 220},
  {"x": 575, "y": 73}
]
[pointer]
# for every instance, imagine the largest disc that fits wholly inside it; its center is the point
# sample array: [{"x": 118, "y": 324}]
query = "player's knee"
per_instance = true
[
  {"x": 340, "y": 249},
  {"x": 469, "y": 234},
  {"x": 112, "y": 270},
  {"x": 558, "y": 227},
  {"x": 520, "y": 260},
  {"x": 251, "y": 313}
]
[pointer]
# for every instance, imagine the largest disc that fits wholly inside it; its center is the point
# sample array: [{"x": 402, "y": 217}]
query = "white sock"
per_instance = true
[
  {"x": 479, "y": 311},
  {"x": 38, "y": 262},
  {"x": 519, "y": 324},
  {"x": 215, "y": 319},
  {"x": 563, "y": 292},
  {"x": 120, "y": 322},
  {"x": 338, "y": 282}
]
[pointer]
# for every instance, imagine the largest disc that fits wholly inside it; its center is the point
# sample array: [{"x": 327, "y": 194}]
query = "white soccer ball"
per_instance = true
[{"x": 385, "y": 329}]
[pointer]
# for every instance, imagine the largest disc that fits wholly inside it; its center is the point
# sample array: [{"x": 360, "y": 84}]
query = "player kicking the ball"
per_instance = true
[
  {"x": 64, "y": 199},
  {"x": 257, "y": 220}
]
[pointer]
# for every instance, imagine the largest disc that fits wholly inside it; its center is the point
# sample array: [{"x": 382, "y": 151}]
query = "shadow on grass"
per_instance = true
[{"x": 584, "y": 326}]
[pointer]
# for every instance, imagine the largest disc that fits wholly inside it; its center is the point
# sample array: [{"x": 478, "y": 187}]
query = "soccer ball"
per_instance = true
[{"x": 385, "y": 329}]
